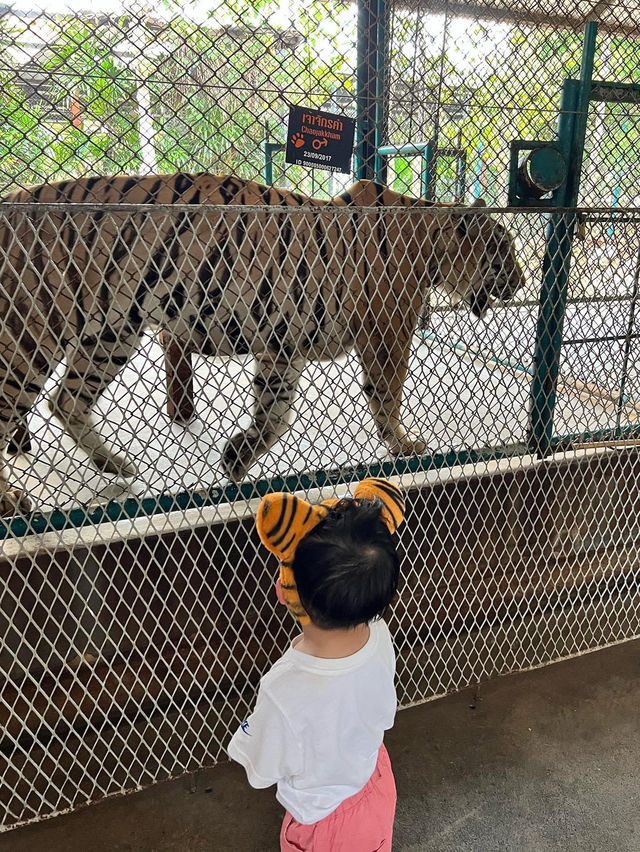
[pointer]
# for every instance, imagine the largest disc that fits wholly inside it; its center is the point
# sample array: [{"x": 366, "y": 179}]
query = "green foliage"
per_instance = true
[
  {"x": 216, "y": 89},
  {"x": 23, "y": 141},
  {"x": 83, "y": 63},
  {"x": 215, "y": 92},
  {"x": 212, "y": 90}
]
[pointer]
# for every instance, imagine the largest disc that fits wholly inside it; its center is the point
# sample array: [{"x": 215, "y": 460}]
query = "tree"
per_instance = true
[
  {"x": 213, "y": 89},
  {"x": 24, "y": 139}
]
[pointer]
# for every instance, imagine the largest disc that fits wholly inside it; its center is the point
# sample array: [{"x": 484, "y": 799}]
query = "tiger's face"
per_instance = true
[
  {"x": 479, "y": 266},
  {"x": 499, "y": 275}
]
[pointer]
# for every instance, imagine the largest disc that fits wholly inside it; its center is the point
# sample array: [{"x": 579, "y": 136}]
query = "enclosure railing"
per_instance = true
[{"x": 137, "y": 612}]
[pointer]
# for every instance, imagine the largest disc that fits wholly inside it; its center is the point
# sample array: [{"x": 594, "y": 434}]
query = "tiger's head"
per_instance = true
[{"x": 475, "y": 260}]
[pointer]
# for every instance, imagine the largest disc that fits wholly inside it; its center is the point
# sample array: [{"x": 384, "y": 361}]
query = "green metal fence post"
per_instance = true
[
  {"x": 367, "y": 36},
  {"x": 461, "y": 169},
  {"x": 370, "y": 87},
  {"x": 429, "y": 173},
  {"x": 270, "y": 148},
  {"x": 572, "y": 126},
  {"x": 382, "y": 92},
  {"x": 627, "y": 347}
]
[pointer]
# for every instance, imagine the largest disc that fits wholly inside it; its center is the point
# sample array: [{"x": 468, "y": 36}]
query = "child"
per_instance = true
[{"x": 322, "y": 709}]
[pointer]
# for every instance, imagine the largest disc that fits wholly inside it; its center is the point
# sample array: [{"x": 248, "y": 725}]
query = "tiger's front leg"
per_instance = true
[
  {"x": 275, "y": 383},
  {"x": 384, "y": 365}
]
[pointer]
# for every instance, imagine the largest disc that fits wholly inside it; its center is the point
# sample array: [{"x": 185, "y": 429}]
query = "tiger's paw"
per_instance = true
[
  {"x": 238, "y": 455},
  {"x": 14, "y": 502},
  {"x": 20, "y": 442},
  {"x": 120, "y": 465},
  {"x": 410, "y": 444}
]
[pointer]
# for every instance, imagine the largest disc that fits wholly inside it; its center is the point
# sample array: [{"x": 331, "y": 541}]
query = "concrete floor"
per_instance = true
[{"x": 546, "y": 760}]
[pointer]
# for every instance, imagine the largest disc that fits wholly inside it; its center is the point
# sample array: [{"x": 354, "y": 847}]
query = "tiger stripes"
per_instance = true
[
  {"x": 230, "y": 267},
  {"x": 283, "y": 520}
]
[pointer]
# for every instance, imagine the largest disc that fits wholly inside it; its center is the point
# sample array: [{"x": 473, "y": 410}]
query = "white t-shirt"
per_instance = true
[{"x": 318, "y": 724}]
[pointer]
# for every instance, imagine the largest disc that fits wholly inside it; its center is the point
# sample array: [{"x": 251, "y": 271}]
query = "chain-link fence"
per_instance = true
[
  {"x": 183, "y": 88},
  {"x": 173, "y": 347}
]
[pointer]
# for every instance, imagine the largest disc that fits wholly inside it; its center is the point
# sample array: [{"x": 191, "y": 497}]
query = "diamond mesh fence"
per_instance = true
[{"x": 176, "y": 344}]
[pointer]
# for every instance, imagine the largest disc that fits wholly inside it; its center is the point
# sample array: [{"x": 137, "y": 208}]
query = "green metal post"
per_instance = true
[
  {"x": 382, "y": 94},
  {"x": 366, "y": 89},
  {"x": 430, "y": 171},
  {"x": 268, "y": 166},
  {"x": 270, "y": 148},
  {"x": 572, "y": 127},
  {"x": 461, "y": 170},
  {"x": 627, "y": 346}
]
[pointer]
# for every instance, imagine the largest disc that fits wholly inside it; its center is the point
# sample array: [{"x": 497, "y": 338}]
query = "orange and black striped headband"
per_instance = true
[{"x": 283, "y": 520}]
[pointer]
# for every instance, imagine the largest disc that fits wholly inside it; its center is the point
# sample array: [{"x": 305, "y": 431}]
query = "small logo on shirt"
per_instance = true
[{"x": 244, "y": 727}]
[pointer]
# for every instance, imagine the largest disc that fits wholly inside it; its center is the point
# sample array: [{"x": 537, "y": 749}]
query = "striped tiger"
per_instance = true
[
  {"x": 230, "y": 267},
  {"x": 283, "y": 520}
]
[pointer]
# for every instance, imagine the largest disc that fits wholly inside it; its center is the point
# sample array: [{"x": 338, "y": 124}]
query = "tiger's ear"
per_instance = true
[
  {"x": 470, "y": 224},
  {"x": 392, "y": 500},
  {"x": 283, "y": 520}
]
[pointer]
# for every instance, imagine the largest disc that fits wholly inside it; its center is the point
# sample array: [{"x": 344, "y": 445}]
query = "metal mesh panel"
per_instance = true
[
  {"x": 168, "y": 88},
  {"x": 137, "y": 610},
  {"x": 471, "y": 84},
  {"x": 130, "y": 648},
  {"x": 172, "y": 89},
  {"x": 291, "y": 286}
]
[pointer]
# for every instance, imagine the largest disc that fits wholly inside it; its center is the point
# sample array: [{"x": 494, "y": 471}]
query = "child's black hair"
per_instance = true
[{"x": 347, "y": 569}]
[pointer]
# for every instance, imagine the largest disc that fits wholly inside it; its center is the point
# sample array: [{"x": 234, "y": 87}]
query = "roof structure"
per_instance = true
[{"x": 613, "y": 16}]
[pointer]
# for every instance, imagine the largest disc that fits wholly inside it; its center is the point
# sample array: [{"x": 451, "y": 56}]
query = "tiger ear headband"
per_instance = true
[{"x": 283, "y": 520}]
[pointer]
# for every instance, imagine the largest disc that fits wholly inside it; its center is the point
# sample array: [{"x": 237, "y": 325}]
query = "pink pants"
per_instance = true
[{"x": 362, "y": 823}]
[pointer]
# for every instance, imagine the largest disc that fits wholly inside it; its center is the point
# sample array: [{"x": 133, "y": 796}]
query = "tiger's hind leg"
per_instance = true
[
  {"x": 384, "y": 358},
  {"x": 91, "y": 366},
  {"x": 25, "y": 365},
  {"x": 275, "y": 383}
]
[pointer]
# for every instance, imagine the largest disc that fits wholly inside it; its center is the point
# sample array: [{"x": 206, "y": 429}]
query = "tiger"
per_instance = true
[{"x": 231, "y": 267}]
